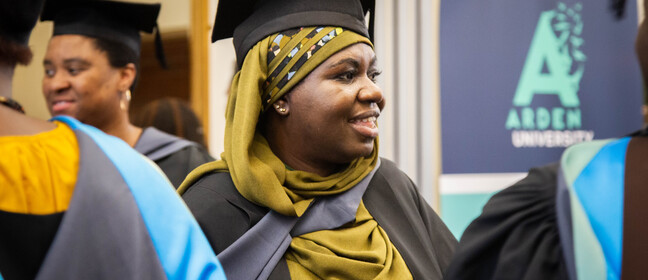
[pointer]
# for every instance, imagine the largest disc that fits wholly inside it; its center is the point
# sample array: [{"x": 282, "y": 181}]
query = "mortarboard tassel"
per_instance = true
[{"x": 159, "y": 49}]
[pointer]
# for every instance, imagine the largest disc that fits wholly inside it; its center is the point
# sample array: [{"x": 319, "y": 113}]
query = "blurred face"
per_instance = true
[
  {"x": 79, "y": 81},
  {"x": 331, "y": 115}
]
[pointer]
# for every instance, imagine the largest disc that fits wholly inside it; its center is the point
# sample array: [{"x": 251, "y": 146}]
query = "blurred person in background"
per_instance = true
[
  {"x": 91, "y": 68},
  {"x": 76, "y": 203},
  {"x": 581, "y": 218},
  {"x": 172, "y": 136},
  {"x": 173, "y": 116}
]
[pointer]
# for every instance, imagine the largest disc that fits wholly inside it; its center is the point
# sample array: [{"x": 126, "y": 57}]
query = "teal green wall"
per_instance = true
[{"x": 458, "y": 210}]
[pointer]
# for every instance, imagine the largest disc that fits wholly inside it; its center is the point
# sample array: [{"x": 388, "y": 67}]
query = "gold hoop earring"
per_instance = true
[
  {"x": 122, "y": 103},
  {"x": 283, "y": 110}
]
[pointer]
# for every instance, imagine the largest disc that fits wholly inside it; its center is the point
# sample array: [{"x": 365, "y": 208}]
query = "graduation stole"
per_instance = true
[{"x": 600, "y": 188}]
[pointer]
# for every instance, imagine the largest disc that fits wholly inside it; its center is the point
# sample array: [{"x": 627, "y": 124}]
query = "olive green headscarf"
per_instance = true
[{"x": 359, "y": 250}]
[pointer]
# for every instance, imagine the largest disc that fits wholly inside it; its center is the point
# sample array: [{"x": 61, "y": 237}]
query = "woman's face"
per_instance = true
[
  {"x": 331, "y": 114},
  {"x": 80, "y": 82}
]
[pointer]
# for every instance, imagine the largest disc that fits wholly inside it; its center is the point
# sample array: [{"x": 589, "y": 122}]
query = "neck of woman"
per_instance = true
[
  {"x": 297, "y": 163},
  {"x": 123, "y": 129}
]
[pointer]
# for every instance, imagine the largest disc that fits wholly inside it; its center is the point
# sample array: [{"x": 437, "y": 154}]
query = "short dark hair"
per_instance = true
[
  {"x": 12, "y": 53},
  {"x": 119, "y": 55}
]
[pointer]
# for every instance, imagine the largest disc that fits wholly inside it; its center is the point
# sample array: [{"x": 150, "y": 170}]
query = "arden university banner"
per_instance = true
[{"x": 522, "y": 80}]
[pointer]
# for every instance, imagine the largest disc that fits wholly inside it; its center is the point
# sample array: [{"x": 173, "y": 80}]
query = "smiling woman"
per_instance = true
[
  {"x": 334, "y": 109},
  {"x": 300, "y": 184},
  {"x": 91, "y": 68},
  {"x": 80, "y": 81}
]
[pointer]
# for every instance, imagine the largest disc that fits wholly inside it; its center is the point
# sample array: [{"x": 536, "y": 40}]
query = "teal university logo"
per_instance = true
[{"x": 554, "y": 66}]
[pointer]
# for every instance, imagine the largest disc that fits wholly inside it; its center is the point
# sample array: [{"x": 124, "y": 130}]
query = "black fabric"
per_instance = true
[
  {"x": 421, "y": 237},
  {"x": 224, "y": 215},
  {"x": 516, "y": 236},
  {"x": 115, "y": 21},
  {"x": 565, "y": 224},
  {"x": 641, "y": 132},
  {"x": 174, "y": 161},
  {"x": 17, "y": 19},
  {"x": 24, "y": 242},
  {"x": 392, "y": 199},
  {"x": 177, "y": 165},
  {"x": 249, "y": 21}
]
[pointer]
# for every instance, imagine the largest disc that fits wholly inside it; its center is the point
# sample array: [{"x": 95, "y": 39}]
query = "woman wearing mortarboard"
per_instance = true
[
  {"x": 300, "y": 192},
  {"x": 91, "y": 67},
  {"x": 76, "y": 203}
]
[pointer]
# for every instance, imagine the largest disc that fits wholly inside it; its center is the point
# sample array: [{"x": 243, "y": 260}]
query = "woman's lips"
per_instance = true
[
  {"x": 366, "y": 127},
  {"x": 61, "y": 106}
]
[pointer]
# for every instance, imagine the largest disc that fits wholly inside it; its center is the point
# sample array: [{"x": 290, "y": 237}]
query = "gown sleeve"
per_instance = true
[
  {"x": 414, "y": 228},
  {"x": 516, "y": 236}
]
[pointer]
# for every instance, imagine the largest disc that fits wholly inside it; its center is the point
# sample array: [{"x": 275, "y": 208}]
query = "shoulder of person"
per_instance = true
[
  {"x": 390, "y": 175},
  {"x": 223, "y": 213},
  {"x": 218, "y": 186},
  {"x": 539, "y": 184},
  {"x": 197, "y": 152}
]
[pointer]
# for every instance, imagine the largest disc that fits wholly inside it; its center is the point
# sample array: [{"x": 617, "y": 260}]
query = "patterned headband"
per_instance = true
[{"x": 288, "y": 52}]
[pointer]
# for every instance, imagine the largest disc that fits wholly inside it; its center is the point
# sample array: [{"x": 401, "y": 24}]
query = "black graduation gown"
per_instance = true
[
  {"x": 175, "y": 156},
  {"x": 414, "y": 228},
  {"x": 516, "y": 236}
]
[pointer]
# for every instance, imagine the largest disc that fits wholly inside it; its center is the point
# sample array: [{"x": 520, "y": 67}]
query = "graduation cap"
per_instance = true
[
  {"x": 17, "y": 19},
  {"x": 249, "y": 21},
  {"x": 111, "y": 20}
]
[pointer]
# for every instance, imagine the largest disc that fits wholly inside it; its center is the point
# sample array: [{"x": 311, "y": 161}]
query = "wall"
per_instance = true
[
  {"x": 407, "y": 50},
  {"x": 222, "y": 64}
]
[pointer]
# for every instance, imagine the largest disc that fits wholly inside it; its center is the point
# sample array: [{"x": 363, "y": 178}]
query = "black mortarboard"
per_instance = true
[
  {"x": 116, "y": 21},
  {"x": 249, "y": 21},
  {"x": 17, "y": 19}
]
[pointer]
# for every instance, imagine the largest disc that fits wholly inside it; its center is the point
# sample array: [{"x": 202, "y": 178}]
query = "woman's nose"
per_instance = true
[
  {"x": 372, "y": 93},
  {"x": 56, "y": 83}
]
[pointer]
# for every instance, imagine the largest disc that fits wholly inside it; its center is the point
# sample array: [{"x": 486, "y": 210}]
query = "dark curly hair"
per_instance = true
[
  {"x": 13, "y": 53},
  {"x": 119, "y": 55}
]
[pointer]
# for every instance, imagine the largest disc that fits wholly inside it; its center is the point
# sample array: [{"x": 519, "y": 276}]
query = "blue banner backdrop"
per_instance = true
[{"x": 521, "y": 80}]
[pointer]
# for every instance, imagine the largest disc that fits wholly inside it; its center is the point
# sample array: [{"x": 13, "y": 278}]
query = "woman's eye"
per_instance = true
[
  {"x": 374, "y": 75},
  {"x": 348, "y": 76},
  {"x": 73, "y": 71},
  {"x": 49, "y": 73}
]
